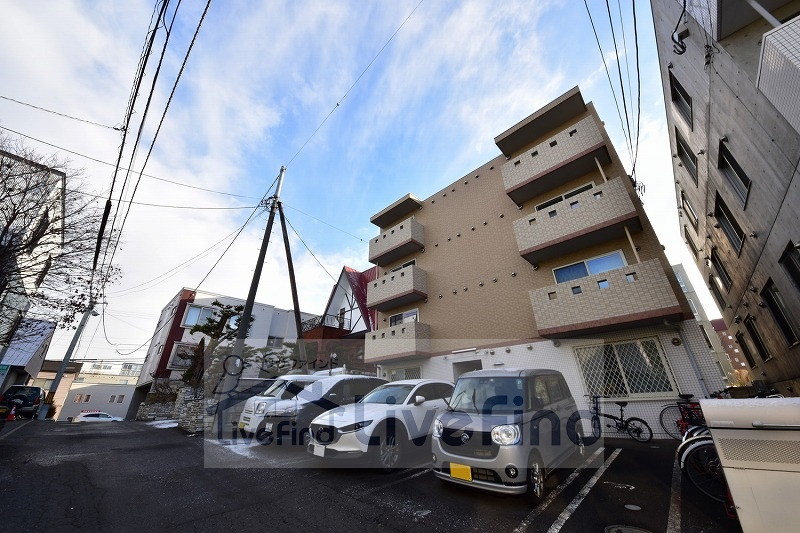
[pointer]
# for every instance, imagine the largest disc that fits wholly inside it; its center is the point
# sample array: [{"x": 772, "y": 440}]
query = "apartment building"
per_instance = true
[
  {"x": 713, "y": 341},
  {"x": 542, "y": 257},
  {"x": 271, "y": 328},
  {"x": 733, "y": 113}
]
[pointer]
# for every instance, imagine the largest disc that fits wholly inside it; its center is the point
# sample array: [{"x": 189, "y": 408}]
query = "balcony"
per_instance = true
[
  {"x": 399, "y": 209},
  {"x": 397, "y": 242},
  {"x": 635, "y": 295},
  {"x": 567, "y": 155},
  {"x": 779, "y": 69},
  {"x": 327, "y": 321},
  {"x": 397, "y": 288},
  {"x": 596, "y": 215},
  {"x": 410, "y": 339}
]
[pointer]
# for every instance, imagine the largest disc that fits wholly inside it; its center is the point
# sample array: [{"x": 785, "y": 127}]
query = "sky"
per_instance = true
[{"x": 362, "y": 101}]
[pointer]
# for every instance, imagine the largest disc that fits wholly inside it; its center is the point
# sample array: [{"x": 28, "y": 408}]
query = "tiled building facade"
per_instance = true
[{"x": 542, "y": 257}]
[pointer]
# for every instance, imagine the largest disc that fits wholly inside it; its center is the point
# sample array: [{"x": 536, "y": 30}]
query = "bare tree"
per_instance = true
[{"x": 48, "y": 233}]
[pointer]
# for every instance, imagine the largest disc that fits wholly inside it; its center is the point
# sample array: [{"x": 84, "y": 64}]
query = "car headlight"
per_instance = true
[
  {"x": 261, "y": 407},
  {"x": 438, "y": 427},
  {"x": 506, "y": 434},
  {"x": 355, "y": 427}
]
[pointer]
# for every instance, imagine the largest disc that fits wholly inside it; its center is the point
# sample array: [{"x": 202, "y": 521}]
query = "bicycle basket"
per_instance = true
[{"x": 692, "y": 414}]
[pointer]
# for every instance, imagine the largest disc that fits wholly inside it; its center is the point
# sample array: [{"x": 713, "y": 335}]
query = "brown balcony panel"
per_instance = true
[
  {"x": 600, "y": 214},
  {"x": 562, "y": 157},
  {"x": 563, "y": 109},
  {"x": 394, "y": 243},
  {"x": 403, "y": 341},
  {"x": 636, "y": 295},
  {"x": 398, "y": 210},
  {"x": 397, "y": 288}
]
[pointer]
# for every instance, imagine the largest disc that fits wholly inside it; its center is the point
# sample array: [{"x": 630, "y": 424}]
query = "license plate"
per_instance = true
[
  {"x": 319, "y": 451},
  {"x": 462, "y": 472},
  {"x": 241, "y": 425},
  {"x": 268, "y": 426}
]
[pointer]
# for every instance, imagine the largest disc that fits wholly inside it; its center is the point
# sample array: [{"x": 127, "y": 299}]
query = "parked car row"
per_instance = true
[
  {"x": 502, "y": 431},
  {"x": 25, "y": 399}
]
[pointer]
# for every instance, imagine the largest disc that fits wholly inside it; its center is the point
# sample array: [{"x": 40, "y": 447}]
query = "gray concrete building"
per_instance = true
[{"x": 731, "y": 78}]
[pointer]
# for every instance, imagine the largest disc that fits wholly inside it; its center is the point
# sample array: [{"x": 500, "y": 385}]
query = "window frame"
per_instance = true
[
  {"x": 746, "y": 348},
  {"x": 719, "y": 267},
  {"x": 202, "y": 309},
  {"x": 715, "y": 291},
  {"x": 177, "y": 363},
  {"x": 687, "y": 157},
  {"x": 759, "y": 344},
  {"x": 585, "y": 263},
  {"x": 681, "y": 100},
  {"x": 691, "y": 214},
  {"x": 783, "y": 317},
  {"x": 394, "y": 321},
  {"x": 728, "y": 224},
  {"x": 790, "y": 261},
  {"x": 589, "y": 185},
  {"x": 737, "y": 178}
]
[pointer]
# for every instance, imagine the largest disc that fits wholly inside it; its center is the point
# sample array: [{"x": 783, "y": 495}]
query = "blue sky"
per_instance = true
[{"x": 261, "y": 79}]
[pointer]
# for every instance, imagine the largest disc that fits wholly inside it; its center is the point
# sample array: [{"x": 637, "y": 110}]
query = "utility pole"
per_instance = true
[
  {"x": 234, "y": 364},
  {"x": 67, "y": 356}
]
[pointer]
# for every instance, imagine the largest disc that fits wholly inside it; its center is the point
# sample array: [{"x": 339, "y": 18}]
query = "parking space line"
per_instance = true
[
  {"x": 674, "y": 519},
  {"x": 554, "y": 494},
  {"x": 9, "y": 432},
  {"x": 576, "y": 501},
  {"x": 395, "y": 482}
]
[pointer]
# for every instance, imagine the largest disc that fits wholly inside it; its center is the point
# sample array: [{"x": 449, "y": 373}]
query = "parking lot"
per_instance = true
[{"x": 138, "y": 476}]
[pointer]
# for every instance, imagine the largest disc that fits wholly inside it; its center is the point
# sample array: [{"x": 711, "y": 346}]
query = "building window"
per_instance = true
[
  {"x": 589, "y": 267},
  {"x": 791, "y": 262},
  {"x": 120, "y": 398},
  {"x": 403, "y": 318},
  {"x": 274, "y": 342},
  {"x": 706, "y": 337},
  {"x": 396, "y": 374},
  {"x": 734, "y": 173},
  {"x": 692, "y": 307},
  {"x": 400, "y": 267},
  {"x": 747, "y": 348},
  {"x": 715, "y": 286},
  {"x": 729, "y": 226},
  {"x": 46, "y": 384},
  {"x": 780, "y": 311},
  {"x": 78, "y": 398},
  {"x": 724, "y": 277},
  {"x": 681, "y": 99},
  {"x": 561, "y": 197},
  {"x": 686, "y": 156},
  {"x": 758, "y": 339},
  {"x": 689, "y": 211},
  {"x": 682, "y": 283},
  {"x": 86, "y": 398},
  {"x": 181, "y": 356},
  {"x": 630, "y": 369},
  {"x": 113, "y": 398},
  {"x": 196, "y": 314},
  {"x": 690, "y": 243}
]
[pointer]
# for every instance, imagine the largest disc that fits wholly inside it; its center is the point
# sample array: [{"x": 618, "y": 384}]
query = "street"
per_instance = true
[{"x": 135, "y": 476}]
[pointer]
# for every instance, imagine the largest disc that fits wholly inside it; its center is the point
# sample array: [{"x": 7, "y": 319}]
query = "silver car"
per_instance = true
[{"x": 506, "y": 430}]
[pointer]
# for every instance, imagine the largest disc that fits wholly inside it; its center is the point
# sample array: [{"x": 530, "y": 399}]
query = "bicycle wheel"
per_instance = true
[
  {"x": 638, "y": 429},
  {"x": 700, "y": 462},
  {"x": 671, "y": 419},
  {"x": 596, "y": 427}
]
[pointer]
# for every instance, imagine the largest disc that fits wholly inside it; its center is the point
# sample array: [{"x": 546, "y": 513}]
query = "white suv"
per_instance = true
[{"x": 383, "y": 425}]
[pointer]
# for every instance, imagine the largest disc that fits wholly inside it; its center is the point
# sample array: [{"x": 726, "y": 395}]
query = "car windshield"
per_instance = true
[
  {"x": 285, "y": 389},
  {"x": 489, "y": 395},
  {"x": 388, "y": 394},
  {"x": 30, "y": 392}
]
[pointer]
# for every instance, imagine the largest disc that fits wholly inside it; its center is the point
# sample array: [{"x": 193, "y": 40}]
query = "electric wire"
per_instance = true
[
  {"x": 117, "y": 128},
  {"x": 608, "y": 74},
  {"x": 112, "y": 164},
  {"x": 638, "y": 91},
  {"x": 621, "y": 85},
  {"x": 165, "y": 206},
  {"x": 339, "y": 102},
  {"x": 323, "y": 222}
]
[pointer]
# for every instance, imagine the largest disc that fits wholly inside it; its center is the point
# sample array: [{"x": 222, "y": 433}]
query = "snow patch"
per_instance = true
[{"x": 163, "y": 424}]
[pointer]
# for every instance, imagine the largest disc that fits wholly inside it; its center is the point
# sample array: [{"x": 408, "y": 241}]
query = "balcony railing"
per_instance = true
[
  {"x": 397, "y": 242},
  {"x": 576, "y": 222},
  {"x": 779, "y": 69},
  {"x": 410, "y": 339},
  {"x": 567, "y": 155},
  {"x": 399, "y": 287},
  {"x": 331, "y": 321},
  {"x": 635, "y": 295}
]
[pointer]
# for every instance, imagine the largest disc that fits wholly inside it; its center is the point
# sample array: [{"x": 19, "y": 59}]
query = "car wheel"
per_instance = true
[
  {"x": 535, "y": 481},
  {"x": 263, "y": 436},
  {"x": 388, "y": 451}
]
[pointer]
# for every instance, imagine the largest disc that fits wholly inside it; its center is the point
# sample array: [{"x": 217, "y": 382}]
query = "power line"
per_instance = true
[
  {"x": 118, "y": 128},
  {"x": 621, "y": 85},
  {"x": 323, "y": 222},
  {"x": 90, "y": 158},
  {"x": 339, "y": 102},
  {"x": 167, "y": 206}
]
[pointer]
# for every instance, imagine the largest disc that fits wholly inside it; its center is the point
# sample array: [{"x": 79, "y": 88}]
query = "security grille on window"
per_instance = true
[
  {"x": 787, "y": 322},
  {"x": 791, "y": 262},
  {"x": 630, "y": 369},
  {"x": 405, "y": 373},
  {"x": 681, "y": 98},
  {"x": 724, "y": 277},
  {"x": 758, "y": 340}
]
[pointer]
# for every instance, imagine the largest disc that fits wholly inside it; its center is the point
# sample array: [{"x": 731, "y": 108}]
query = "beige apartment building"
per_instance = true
[
  {"x": 733, "y": 112},
  {"x": 541, "y": 258}
]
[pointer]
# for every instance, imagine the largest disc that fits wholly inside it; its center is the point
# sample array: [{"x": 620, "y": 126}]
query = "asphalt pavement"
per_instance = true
[{"x": 137, "y": 476}]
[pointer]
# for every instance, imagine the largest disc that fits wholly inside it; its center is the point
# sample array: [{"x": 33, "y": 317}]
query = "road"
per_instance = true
[{"x": 134, "y": 476}]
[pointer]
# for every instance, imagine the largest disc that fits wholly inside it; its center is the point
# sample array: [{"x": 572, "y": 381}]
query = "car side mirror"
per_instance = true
[{"x": 418, "y": 400}]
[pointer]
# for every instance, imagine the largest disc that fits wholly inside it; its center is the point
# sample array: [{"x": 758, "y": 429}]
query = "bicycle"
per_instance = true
[
  {"x": 638, "y": 429},
  {"x": 677, "y": 418},
  {"x": 699, "y": 460}
]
